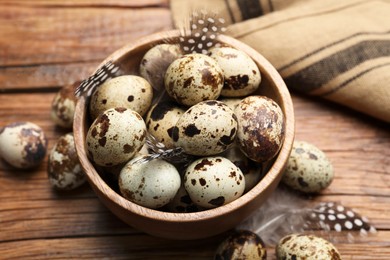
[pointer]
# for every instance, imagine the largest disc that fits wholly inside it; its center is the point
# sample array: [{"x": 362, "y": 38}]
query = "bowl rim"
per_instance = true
[{"x": 273, "y": 173}]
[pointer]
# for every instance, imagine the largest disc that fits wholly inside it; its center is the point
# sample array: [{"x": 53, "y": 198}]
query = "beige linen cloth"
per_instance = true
[{"x": 338, "y": 50}]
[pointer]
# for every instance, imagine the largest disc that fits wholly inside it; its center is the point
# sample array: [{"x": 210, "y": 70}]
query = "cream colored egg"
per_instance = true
[
  {"x": 193, "y": 78},
  {"x": 63, "y": 106},
  {"x": 161, "y": 120},
  {"x": 155, "y": 62},
  {"x": 300, "y": 246},
  {"x": 207, "y": 128},
  {"x": 115, "y": 137},
  {"x": 308, "y": 169},
  {"x": 22, "y": 144},
  {"x": 182, "y": 202},
  {"x": 241, "y": 74},
  {"x": 128, "y": 91},
  {"x": 213, "y": 181},
  {"x": 260, "y": 127},
  {"x": 152, "y": 184},
  {"x": 231, "y": 102},
  {"x": 64, "y": 169}
]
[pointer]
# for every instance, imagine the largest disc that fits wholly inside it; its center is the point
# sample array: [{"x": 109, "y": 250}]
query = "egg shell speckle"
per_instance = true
[
  {"x": 207, "y": 128},
  {"x": 213, "y": 181},
  {"x": 22, "y": 144},
  {"x": 161, "y": 120},
  {"x": 63, "y": 106},
  {"x": 308, "y": 169},
  {"x": 182, "y": 202},
  {"x": 156, "y": 61},
  {"x": 128, "y": 91},
  {"x": 152, "y": 184},
  {"x": 241, "y": 244},
  {"x": 193, "y": 78},
  {"x": 241, "y": 74},
  {"x": 115, "y": 136},
  {"x": 299, "y": 246},
  {"x": 64, "y": 169},
  {"x": 260, "y": 127}
]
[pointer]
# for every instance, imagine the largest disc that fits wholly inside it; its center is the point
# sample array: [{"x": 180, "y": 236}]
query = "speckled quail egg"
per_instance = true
[
  {"x": 182, "y": 202},
  {"x": 260, "y": 127},
  {"x": 127, "y": 91},
  {"x": 241, "y": 74},
  {"x": 115, "y": 136},
  {"x": 193, "y": 78},
  {"x": 308, "y": 169},
  {"x": 161, "y": 119},
  {"x": 300, "y": 246},
  {"x": 63, "y": 106},
  {"x": 241, "y": 244},
  {"x": 252, "y": 171},
  {"x": 152, "y": 184},
  {"x": 207, "y": 128},
  {"x": 156, "y": 61},
  {"x": 213, "y": 181},
  {"x": 22, "y": 144},
  {"x": 64, "y": 169}
]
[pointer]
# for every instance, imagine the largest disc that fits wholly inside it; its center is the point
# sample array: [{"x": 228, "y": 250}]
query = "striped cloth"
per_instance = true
[{"x": 338, "y": 50}]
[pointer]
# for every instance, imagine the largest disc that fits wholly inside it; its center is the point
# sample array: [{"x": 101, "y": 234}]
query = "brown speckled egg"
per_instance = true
[
  {"x": 182, "y": 202},
  {"x": 213, "y": 181},
  {"x": 115, "y": 136},
  {"x": 299, "y": 246},
  {"x": 241, "y": 74},
  {"x": 22, "y": 144},
  {"x": 308, "y": 169},
  {"x": 64, "y": 169},
  {"x": 260, "y": 127},
  {"x": 152, "y": 184},
  {"x": 193, "y": 78},
  {"x": 207, "y": 128},
  {"x": 252, "y": 171},
  {"x": 63, "y": 106},
  {"x": 156, "y": 61},
  {"x": 241, "y": 244},
  {"x": 127, "y": 91},
  {"x": 161, "y": 119}
]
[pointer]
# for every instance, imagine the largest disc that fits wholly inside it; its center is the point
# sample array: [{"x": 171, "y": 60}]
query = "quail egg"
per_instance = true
[
  {"x": 152, "y": 184},
  {"x": 63, "y": 106},
  {"x": 128, "y": 91},
  {"x": 115, "y": 136},
  {"x": 193, "y": 78},
  {"x": 64, "y": 169},
  {"x": 213, "y": 181},
  {"x": 207, "y": 128},
  {"x": 260, "y": 127},
  {"x": 241, "y": 74},
  {"x": 22, "y": 144},
  {"x": 161, "y": 119},
  {"x": 156, "y": 61},
  {"x": 182, "y": 202},
  {"x": 300, "y": 246},
  {"x": 308, "y": 169},
  {"x": 241, "y": 244}
]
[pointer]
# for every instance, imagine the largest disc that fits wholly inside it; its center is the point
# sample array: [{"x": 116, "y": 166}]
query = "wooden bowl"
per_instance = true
[{"x": 200, "y": 224}]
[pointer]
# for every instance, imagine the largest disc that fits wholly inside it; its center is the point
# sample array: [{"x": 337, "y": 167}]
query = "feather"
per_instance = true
[
  {"x": 107, "y": 71},
  {"x": 286, "y": 213}
]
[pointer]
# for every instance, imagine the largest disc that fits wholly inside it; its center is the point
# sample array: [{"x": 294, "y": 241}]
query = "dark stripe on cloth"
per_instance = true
[
  {"x": 321, "y": 72},
  {"x": 249, "y": 8},
  {"x": 330, "y": 45},
  {"x": 230, "y": 11},
  {"x": 360, "y": 74},
  {"x": 271, "y": 6}
]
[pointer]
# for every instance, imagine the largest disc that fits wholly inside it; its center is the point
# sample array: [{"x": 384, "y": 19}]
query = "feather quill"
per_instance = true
[{"x": 286, "y": 213}]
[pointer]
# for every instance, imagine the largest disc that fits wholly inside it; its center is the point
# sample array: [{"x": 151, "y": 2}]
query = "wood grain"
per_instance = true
[{"x": 47, "y": 44}]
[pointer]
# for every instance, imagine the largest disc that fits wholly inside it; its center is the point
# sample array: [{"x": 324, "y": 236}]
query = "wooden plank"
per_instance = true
[{"x": 33, "y": 36}]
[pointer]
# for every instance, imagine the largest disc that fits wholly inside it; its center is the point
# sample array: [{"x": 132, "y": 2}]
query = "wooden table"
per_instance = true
[{"x": 45, "y": 44}]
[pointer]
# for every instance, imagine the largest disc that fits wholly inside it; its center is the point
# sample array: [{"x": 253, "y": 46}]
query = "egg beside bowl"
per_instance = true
[{"x": 196, "y": 224}]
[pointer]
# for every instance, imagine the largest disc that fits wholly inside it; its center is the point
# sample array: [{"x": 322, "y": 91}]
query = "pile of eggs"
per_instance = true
[{"x": 203, "y": 105}]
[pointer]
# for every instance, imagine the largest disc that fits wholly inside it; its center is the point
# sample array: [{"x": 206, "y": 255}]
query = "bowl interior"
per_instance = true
[{"x": 199, "y": 224}]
